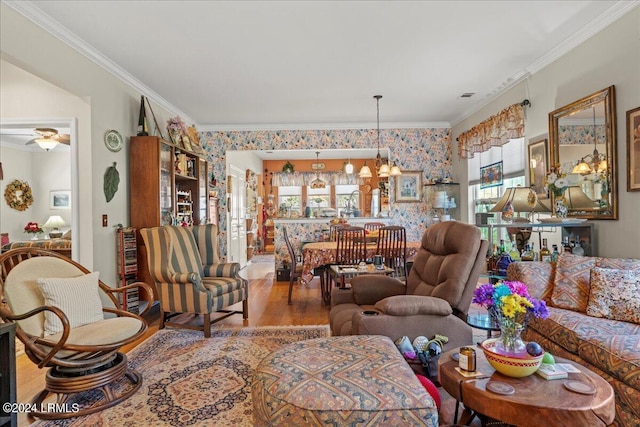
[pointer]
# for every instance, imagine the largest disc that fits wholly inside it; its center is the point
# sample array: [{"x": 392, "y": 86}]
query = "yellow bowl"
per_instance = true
[{"x": 518, "y": 366}]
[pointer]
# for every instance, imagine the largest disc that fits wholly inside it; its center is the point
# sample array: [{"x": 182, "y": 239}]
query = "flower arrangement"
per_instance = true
[
  {"x": 556, "y": 181},
  {"x": 510, "y": 304},
  {"x": 33, "y": 228},
  {"x": 176, "y": 124}
]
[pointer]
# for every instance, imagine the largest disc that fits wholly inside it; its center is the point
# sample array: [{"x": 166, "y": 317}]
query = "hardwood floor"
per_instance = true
[{"x": 267, "y": 307}]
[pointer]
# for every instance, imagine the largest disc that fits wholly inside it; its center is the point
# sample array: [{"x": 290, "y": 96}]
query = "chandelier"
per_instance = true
[
  {"x": 598, "y": 162},
  {"x": 382, "y": 168}
]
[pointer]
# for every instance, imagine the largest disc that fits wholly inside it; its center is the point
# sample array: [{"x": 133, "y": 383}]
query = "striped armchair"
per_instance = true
[{"x": 189, "y": 277}]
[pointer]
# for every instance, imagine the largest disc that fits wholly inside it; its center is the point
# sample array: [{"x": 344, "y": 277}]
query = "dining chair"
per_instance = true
[
  {"x": 392, "y": 246},
  {"x": 373, "y": 226},
  {"x": 333, "y": 231},
  {"x": 351, "y": 247},
  {"x": 296, "y": 270}
]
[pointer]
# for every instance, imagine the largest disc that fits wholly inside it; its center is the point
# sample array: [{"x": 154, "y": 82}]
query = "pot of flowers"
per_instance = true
[
  {"x": 511, "y": 306},
  {"x": 556, "y": 183},
  {"x": 34, "y": 229}
]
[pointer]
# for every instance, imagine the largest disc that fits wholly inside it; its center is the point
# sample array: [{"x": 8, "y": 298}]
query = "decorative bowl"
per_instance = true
[{"x": 516, "y": 366}]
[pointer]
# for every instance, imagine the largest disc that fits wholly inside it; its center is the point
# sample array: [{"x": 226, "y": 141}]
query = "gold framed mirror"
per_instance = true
[{"x": 583, "y": 143}]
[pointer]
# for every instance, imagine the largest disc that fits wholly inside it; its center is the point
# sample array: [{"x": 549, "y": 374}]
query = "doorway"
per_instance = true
[{"x": 44, "y": 170}]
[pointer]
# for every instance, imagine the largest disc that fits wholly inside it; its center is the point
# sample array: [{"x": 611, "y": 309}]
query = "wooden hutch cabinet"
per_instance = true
[{"x": 167, "y": 185}]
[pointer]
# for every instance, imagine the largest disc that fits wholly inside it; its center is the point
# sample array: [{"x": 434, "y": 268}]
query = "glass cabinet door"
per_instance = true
[
  {"x": 166, "y": 192},
  {"x": 203, "y": 193}
]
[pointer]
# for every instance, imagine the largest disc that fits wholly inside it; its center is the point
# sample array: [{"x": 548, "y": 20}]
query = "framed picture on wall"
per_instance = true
[
  {"x": 491, "y": 175},
  {"x": 633, "y": 149},
  {"x": 538, "y": 166},
  {"x": 60, "y": 199},
  {"x": 409, "y": 187}
]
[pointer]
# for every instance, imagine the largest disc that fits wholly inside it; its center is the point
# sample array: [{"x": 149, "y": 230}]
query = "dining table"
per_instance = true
[{"x": 318, "y": 254}]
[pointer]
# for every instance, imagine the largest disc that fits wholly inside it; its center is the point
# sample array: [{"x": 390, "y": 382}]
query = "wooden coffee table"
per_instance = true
[{"x": 536, "y": 401}]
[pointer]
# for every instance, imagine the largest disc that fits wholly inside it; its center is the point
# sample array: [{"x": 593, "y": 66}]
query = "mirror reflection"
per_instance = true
[{"x": 583, "y": 145}]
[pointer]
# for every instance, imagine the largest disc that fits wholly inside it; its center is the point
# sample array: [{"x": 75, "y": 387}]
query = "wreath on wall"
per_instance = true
[{"x": 18, "y": 195}]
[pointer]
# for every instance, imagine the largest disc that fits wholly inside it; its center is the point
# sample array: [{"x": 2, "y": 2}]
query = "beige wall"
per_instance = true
[{"x": 611, "y": 57}]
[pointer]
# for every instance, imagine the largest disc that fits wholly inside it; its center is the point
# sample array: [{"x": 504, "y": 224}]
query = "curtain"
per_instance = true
[
  {"x": 299, "y": 179},
  {"x": 496, "y": 131}
]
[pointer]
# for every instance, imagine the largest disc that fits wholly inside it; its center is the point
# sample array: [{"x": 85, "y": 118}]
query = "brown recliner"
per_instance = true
[{"x": 435, "y": 300}]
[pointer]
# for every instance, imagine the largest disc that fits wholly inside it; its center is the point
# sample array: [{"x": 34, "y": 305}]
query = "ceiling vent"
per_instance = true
[{"x": 467, "y": 95}]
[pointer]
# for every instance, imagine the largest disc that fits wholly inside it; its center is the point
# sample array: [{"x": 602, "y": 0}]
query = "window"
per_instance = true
[
  {"x": 512, "y": 155},
  {"x": 347, "y": 199},
  {"x": 290, "y": 199},
  {"x": 318, "y": 198}
]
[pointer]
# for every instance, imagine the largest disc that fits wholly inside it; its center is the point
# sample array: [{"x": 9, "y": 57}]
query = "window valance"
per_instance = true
[
  {"x": 299, "y": 179},
  {"x": 496, "y": 131}
]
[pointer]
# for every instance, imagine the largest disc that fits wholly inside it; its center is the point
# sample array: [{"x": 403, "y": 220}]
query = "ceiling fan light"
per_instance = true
[{"x": 46, "y": 143}]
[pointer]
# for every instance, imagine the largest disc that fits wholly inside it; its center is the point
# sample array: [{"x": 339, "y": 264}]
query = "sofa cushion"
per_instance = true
[
  {"x": 619, "y": 355},
  {"x": 619, "y": 263},
  {"x": 77, "y": 297},
  {"x": 568, "y": 328},
  {"x": 571, "y": 289},
  {"x": 614, "y": 294}
]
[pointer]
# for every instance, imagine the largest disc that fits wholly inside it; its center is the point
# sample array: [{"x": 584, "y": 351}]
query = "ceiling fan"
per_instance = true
[{"x": 49, "y": 138}]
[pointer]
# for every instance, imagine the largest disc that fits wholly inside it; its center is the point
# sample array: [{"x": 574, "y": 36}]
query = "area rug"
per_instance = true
[{"x": 190, "y": 380}]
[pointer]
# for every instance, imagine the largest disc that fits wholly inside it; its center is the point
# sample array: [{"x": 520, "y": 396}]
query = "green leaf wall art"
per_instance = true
[{"x": 111, "y": 181}]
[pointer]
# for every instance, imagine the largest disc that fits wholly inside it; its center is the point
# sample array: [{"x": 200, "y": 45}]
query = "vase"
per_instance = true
[
  {"x": 560, "y": 208},
  {"x": 558, "y": 205},
  {"x": 510, "y": 342},
  {"x": 34, "y": 237}
]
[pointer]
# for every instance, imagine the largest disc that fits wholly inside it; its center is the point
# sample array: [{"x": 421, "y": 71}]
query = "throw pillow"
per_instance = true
[
  {"x": 431, "y": 388},
  {"x": 614, "y": 294},
  {"x": 77, "y": 297},
  {"x": 571, "y": 289}
]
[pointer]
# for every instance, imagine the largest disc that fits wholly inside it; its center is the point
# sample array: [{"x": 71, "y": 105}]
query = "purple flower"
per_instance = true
[
  {"x": 483, "y": 295},
  {"x": 539, "y": 308},
  {"x": 519, "y": 288}
]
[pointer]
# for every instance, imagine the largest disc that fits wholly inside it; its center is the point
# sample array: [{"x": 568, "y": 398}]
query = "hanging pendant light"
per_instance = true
[
  {"x": 317, "y": 183},
  {"x": 365, "y": 171},
  {"x": 395, "y": 170},
  {"x": 348, "y": 167}
]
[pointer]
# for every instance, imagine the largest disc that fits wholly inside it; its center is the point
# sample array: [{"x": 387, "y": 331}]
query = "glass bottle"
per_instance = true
[
  {"x": 528, "y": 254},
  {"x": 545, "y": 253},
  {"x": 514, "y": 253},
  {"x": 555, "y": 254},
  {"x": 577, "y": 249}
]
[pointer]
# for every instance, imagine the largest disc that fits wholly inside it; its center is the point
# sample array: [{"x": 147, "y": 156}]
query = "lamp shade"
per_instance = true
[
  {"x": 348, "y": 167},
  {"x": 365, "y": 171},
  {"x": 46, "y": 143},
  {"x": 577, "y": 200},
  {"x": 521, "y": 200},
  {"x": 395, "y": 170},
  {"x": 384, "y": 171},
  {"x": 54, "y": 221}
]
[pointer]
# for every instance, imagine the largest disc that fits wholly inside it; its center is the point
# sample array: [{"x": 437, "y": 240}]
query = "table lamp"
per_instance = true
[
  {"x": 518, "y": 199},
  {"x": 54, "y": 223},
  {"x": 577, "y": 200}
]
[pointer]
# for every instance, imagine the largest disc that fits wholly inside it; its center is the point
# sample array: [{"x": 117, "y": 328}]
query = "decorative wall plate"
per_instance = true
[{"x": 113, "y": 140}]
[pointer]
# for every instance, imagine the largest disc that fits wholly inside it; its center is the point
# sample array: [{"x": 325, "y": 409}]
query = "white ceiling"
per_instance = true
[{"x": 313, "y": 64}]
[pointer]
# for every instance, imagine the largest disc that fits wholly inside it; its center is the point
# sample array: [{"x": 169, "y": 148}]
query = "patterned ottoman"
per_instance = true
[{"x": 358, "y": 380}]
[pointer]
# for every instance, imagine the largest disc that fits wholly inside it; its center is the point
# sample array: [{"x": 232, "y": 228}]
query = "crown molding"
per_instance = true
[
  {"x": 322, "y": 126},
  {"x": 29, "y": 10}
]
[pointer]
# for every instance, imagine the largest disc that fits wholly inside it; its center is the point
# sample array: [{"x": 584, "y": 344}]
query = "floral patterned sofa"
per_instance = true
[{"x": 594, "y": 319}]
